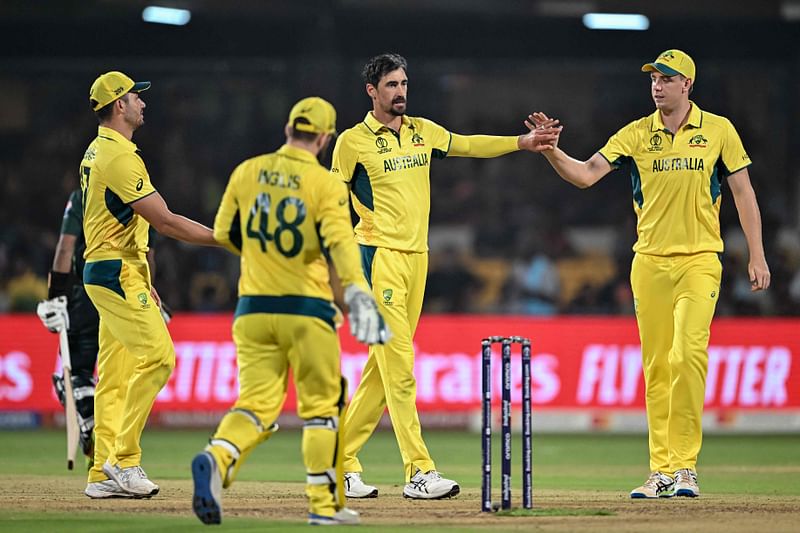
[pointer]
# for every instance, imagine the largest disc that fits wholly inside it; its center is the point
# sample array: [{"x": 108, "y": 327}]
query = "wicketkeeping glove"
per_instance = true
[
  {"x": 366, "y": 322},
  {"x": 53, "y": 313}
]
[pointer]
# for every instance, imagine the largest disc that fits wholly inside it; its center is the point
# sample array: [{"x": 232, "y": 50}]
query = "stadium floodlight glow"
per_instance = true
[
  {"x": 616, "y": 21},
  {"x": 166, "y": 15}
]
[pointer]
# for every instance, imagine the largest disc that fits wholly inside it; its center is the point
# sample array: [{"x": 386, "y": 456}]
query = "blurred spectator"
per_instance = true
[
  {"x": 535, "y": 285},
  {"x": 451, "y": 286},
  {"x": 25, "y": 290}
]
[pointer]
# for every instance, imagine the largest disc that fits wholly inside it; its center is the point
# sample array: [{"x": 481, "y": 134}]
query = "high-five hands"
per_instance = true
[
  {"x": 543, "y": 135},
  {"x": 366, "y": 323}
]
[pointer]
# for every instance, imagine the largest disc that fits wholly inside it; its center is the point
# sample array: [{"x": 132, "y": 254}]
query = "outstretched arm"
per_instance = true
[
  {"x": 485, "y": 146},
  {"x": 750, "y": 218},
  {"x": 153, "y": 208},
  {"x": 582, "y": 174}
]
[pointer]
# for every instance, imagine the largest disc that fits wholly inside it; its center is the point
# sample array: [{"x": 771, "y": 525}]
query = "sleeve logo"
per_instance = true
[{"x": 139, "y": 184}]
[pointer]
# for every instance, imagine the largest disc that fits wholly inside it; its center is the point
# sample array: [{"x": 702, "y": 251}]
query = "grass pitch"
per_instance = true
[{"x": 579, "y": 481}]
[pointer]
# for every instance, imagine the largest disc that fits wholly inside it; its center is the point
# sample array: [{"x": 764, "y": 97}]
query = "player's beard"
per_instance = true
[{"x": 397, "y": 112}]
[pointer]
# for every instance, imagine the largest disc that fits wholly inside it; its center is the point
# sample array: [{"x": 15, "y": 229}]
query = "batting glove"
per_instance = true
[
  {"x": 53, "y": 314},
  {"x": 366, "y": 323}
]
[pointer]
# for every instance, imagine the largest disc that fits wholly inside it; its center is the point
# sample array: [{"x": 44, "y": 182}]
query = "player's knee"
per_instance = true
[{"x": 330, "y": 423}]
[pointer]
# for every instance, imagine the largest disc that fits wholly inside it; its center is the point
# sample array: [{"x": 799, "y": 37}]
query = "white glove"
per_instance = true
[
  {"x": 54, "y": 314},
  {"x": 366, "y": 323}
]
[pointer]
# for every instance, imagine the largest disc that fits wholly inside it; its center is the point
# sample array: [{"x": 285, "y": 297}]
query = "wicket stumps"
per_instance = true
[{"x": 486, "y": 443}]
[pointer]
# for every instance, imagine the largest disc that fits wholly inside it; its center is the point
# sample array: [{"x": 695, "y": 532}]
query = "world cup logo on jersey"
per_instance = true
[
  {"x": 383, "y": 145},
  {"x": 655, "y": 143}
]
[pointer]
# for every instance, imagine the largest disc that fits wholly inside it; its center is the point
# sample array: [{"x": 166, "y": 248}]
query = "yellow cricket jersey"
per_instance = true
[
  {"x": 389, "y": 175},
  {"x": 282, "y": 212},
  {"x": 676, "y": 179},
  {"x": 113, "y": 176}
]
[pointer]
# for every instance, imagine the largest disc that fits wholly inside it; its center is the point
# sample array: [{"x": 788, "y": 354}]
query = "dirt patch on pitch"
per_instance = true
[{"x": 595, "y": 511}]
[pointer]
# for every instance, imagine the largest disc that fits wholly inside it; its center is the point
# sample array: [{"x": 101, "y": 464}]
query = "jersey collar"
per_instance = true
[
  {"x": 376, "y": 127},
  {"x": 114, "y": 135},
  {"x": 695, "y": 119},
  {"x": 294, "y": 152}
]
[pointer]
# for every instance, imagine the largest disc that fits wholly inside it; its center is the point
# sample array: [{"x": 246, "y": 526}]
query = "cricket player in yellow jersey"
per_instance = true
[
  {"x": 678, "y": 157},
  {"x": 284, "y": 213},
  {"x": 386, "y": 161},
  {"x": 136, "y": 355}
]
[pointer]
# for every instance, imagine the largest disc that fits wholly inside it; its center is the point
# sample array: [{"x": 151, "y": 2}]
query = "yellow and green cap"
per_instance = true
[
  {"x": 111, "y": 86},
  {"x": 672, "y": 62},
  {"x": 319, "y": 115}
]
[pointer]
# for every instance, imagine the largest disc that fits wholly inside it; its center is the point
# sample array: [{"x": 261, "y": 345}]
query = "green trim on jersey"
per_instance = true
[
  {"x": 367, "y": 257},
  {"x": 235, "y": 232},
  {"x": 288, "y": 305},
  {"x": 362, "y": 187},
  {"x": 441, "y": 154},
  {"x": 121, "y": 211},
  {"x": 104, "y": 274}
]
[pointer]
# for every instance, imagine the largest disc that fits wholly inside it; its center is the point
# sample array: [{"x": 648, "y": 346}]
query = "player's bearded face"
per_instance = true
[
  {"x": 392, "y": 91},
  {"x": 134, "y": 109}
]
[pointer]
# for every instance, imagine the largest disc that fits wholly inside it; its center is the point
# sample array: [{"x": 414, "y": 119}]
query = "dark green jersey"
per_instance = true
[{"x": 72, "y": 224}]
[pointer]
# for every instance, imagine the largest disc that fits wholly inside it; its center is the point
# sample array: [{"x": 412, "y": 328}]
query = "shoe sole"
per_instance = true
[
  {"x": 204, "y": 504},
  {"x": 687, "y": 493},
  {"x": 112, "y": 495},
  {"x": 111, "y": 473},
  {"x": 373, "y": 494},
  {"x": 454, "y": 491},
  {"x": 318, "y": 520}
]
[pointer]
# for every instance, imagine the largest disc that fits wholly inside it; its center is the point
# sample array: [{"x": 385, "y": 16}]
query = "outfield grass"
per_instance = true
[{"x": 561, "y": 462}]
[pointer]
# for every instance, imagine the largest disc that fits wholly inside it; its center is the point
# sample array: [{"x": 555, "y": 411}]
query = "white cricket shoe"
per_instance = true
[
  {"x": 207, "y": 499},
  {"x": 430, "y": 486},
  {"x": 658, "y": 485},
  {"x": 686, "y": 483},
  {"x": 107, "y": 489},
  {"x": 343, "y": 517},
  {"x": 132, "y": 479},
  {"x": 354, "y": 487}
]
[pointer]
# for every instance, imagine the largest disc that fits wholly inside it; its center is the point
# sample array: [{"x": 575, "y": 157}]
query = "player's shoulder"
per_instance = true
[
  {"x": 252, "y": 163},
  {"x": 713, "y": 120},
  {"x": 352, "y": 134}
]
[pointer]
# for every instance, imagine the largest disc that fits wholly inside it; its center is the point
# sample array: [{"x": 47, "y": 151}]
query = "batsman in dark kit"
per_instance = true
[{"x": 68, "y": 307}]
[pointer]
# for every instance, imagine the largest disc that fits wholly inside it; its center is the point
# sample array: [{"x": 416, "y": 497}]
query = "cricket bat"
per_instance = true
[{"x": 71, "y": 415}]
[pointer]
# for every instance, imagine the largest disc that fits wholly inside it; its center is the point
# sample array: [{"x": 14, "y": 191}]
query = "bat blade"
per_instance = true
[{"x": 71, "y": 414}]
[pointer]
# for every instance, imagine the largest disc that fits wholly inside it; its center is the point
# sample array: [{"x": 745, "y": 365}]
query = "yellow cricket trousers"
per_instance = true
[
  {"x": 398, "y": 284},
  {"x": 134, "y": 362},
  {"x": 272, "y": 334},
  {"x": 675, "y": 299}
]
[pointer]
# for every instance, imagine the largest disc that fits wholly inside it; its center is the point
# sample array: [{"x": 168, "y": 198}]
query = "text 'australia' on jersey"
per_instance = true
[
  {"x": 113, "y": 176},
  {"x": 282, "y": 211},
  {"x": 677, "y": 178},
  {"x": 389, "y": 177}
]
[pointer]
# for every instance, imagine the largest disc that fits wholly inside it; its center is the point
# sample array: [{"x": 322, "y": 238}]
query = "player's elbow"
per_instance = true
[{"x": 165, "y": 223}]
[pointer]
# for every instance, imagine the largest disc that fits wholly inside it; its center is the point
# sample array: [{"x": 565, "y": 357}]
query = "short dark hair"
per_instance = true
[
  {"x": 104, "y": 113},
  {"x": 381, "y": 65},
  {"x": 300, "y": 135}
]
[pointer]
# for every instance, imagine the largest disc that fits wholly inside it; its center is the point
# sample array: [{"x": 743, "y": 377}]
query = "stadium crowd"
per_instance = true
[{"x": 507, "y": 235}]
